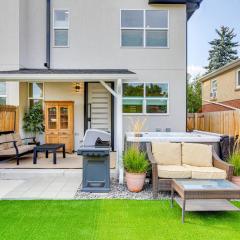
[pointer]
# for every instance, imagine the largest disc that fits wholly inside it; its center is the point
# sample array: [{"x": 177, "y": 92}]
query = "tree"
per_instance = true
[
  {"x": 33, "y": 120},
  {"x": 194, "y": 95},
  {"x": 223, "y": 49}
]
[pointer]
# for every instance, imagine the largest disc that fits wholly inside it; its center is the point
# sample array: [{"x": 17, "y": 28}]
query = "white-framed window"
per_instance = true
[
  {"x": 238, "y": 79},
  {"x": 35, "y": 93},
  {"x": 213, "y": 92},
  {"x": 145, "y": 98},
  {"x": 145, "y": 28},
  {"x": 61, "y": 28},
  {"x": 3, "y": 93}
]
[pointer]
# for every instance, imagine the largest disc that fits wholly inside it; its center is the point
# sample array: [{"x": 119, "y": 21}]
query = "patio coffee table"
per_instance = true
[
  {"x": 204, "y": 195},
  {"x": 48, "y": 148}
]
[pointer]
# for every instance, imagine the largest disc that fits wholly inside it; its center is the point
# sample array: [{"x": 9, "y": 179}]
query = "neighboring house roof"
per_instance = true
[
  {"x": 227, "y": 67},
  {"x": 192, "y": 5},
  {"x": 68, "y": 71}
]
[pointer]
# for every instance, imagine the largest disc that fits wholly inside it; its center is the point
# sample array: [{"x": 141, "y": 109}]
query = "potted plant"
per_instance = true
[
  {"x": 33, "y": 120},
  {"x": 136, "y": 166},
  {"x": 235, "y": 161}
]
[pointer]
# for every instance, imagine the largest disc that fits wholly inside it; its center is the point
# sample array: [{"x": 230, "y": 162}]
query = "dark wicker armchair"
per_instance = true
[{"x": 12, "y": 147}]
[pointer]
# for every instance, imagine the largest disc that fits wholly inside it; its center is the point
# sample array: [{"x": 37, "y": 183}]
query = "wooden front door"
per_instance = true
[{"x": 59, "y": 123}]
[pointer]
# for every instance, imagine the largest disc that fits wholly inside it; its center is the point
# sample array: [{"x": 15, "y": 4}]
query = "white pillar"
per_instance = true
[{"x": 120, "y": 168}]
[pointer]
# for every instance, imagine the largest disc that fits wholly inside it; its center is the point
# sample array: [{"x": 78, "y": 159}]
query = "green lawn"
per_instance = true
[{"x": 111, "y": 219}]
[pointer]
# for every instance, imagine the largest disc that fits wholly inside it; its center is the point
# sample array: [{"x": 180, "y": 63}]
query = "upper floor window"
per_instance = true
[
  {"x": 213, "y": 93},
  {"x": 147, "y": 98},
  {"x": 144, "y": 28},
  {"x": 3, "y": 93},
  {"x": 238, "y": 79},
  {"x": 35, "y": 93},
  {"x": 61, "y": 28}
]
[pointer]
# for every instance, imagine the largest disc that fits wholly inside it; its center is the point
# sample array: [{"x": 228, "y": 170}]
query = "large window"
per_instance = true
[
  {"x": 213, "y": 93},
  {"x": 147, "y": 98},
  {"x": 144, "y": 28},
  {"x": 35, "y": 93},
  {"x": 3, "y": 93},
  {"x": 61, "y": 28}
]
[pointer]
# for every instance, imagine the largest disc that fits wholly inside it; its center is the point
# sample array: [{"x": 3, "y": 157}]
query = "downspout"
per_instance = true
[{"x": 48, "y": 35}]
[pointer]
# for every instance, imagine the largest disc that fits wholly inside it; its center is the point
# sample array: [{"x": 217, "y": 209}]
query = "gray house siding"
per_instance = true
[{"x": 94, "y": 43}]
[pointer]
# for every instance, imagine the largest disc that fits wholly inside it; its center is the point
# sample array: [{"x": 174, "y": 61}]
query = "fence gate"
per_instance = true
[{"x": 8, "y": 119}]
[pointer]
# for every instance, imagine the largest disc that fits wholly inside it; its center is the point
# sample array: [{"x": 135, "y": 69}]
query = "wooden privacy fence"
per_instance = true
[
  {"x": 8, "y": 118},
  {"x": 225, "y": 122}
]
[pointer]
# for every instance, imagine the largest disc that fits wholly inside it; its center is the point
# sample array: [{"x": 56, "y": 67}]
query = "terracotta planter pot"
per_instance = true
[
  {"x": 135, "y": 181},
  {"x": 236, "y": 180}
]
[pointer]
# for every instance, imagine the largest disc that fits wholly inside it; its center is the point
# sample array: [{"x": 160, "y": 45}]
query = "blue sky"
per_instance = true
[{"x": 201, "y": 29}]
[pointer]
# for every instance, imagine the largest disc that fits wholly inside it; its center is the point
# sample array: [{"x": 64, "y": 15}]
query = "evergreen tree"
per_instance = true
[{"x": 223, "y": 49}]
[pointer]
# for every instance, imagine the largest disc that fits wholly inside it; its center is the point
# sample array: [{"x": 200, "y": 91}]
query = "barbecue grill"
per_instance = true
[{"x": 95, "y": 150}]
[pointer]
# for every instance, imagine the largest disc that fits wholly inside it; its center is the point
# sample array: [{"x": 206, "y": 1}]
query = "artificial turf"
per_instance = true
[{"x": 111, "y": 219}]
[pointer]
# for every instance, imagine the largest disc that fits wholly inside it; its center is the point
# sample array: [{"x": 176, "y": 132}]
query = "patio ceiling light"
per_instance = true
[{"x": 77, "y": 87}]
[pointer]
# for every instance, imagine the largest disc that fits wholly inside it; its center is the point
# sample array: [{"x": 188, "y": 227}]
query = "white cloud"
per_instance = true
[{"x": 194, "y": 70}]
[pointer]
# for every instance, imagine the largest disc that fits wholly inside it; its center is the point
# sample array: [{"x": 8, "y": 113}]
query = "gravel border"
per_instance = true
[{"x": 121, "y": 192}]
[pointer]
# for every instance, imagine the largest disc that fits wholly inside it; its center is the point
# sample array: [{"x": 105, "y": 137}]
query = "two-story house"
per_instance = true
[
  {"x": 221, "y": 88},
  {"x": 97, "y": 64}
]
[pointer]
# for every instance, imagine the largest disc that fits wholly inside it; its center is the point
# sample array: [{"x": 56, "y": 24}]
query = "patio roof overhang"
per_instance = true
[{"x": 66, "y": 75}]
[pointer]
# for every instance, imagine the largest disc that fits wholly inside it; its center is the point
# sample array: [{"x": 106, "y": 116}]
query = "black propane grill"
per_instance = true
[{"x": 96, "y": 161}]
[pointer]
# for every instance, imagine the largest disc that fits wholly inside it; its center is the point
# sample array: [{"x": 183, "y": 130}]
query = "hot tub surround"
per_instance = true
[{"x": 176, "y": 137}]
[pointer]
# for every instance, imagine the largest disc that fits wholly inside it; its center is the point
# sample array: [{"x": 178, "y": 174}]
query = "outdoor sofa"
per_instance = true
[
  {"x": 13, "y": 147},
  {"x": 184, "y": 161}
]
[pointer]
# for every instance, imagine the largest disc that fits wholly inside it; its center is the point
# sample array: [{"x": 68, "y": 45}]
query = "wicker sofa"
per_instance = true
[
  {"x": 13, "y": 147},
  {"x": 184, "y": 161}
]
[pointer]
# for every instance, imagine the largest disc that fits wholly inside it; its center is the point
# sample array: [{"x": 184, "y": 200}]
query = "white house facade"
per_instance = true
[{"x": 117, "y": 61}]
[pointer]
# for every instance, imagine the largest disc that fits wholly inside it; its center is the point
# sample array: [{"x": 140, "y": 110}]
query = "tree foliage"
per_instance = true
[
  {"x": 194, "y": 95},
  {"x": 33, "y": 120},
  {"x": 223, "y": 49}
]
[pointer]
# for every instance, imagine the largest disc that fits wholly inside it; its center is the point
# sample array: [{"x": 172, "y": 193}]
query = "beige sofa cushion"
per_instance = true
[
  {"x": 206, "y": 172},
  {"x": 9, "y": 137},
  {"x": 3, "y": 139},
  {"x": 198, "y": 155},
  {"x": 174, "y": 172},
  {"x": 8, "y": 152},
  {"x": 167, "y": 153},
  {"x": 17, "y": 137},
  {"x": 12, "y": 151},
  {"x": 25, "y": 148}
]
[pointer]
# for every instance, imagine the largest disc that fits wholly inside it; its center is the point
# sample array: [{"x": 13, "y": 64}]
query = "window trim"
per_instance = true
[
  {"x": 144, "y": 28},
  {"x": 33, "y": 98},
  {"x": 4, "y": 95},
  {"x": 237, "y": 80},
  {"x": 144, "y": 99},
  {"x": 60, "y": 28},
  {"x": 211, "y": 88}
]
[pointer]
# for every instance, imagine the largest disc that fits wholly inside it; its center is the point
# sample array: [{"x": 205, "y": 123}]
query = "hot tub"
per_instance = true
[{"x": 188, "y": 137}]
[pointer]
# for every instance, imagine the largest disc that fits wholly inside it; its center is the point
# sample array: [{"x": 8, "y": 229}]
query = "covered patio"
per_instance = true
[
  {"x": 72, "y": 161},
  {"x": 59, "y": 79}
]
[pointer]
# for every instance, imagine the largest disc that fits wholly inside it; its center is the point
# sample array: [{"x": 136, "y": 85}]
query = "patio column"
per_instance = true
[{"x": 119, "y": 132}]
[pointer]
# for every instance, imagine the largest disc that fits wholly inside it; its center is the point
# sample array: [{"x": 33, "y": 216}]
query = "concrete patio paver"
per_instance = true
[{"x": 29, "y": 186}]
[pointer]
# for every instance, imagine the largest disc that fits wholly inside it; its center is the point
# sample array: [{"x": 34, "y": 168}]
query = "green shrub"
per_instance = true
[
  {"x": 33, "y": 120},
  {"x": 235, "y": 161},
  {"x": 135, "y": 161}
]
